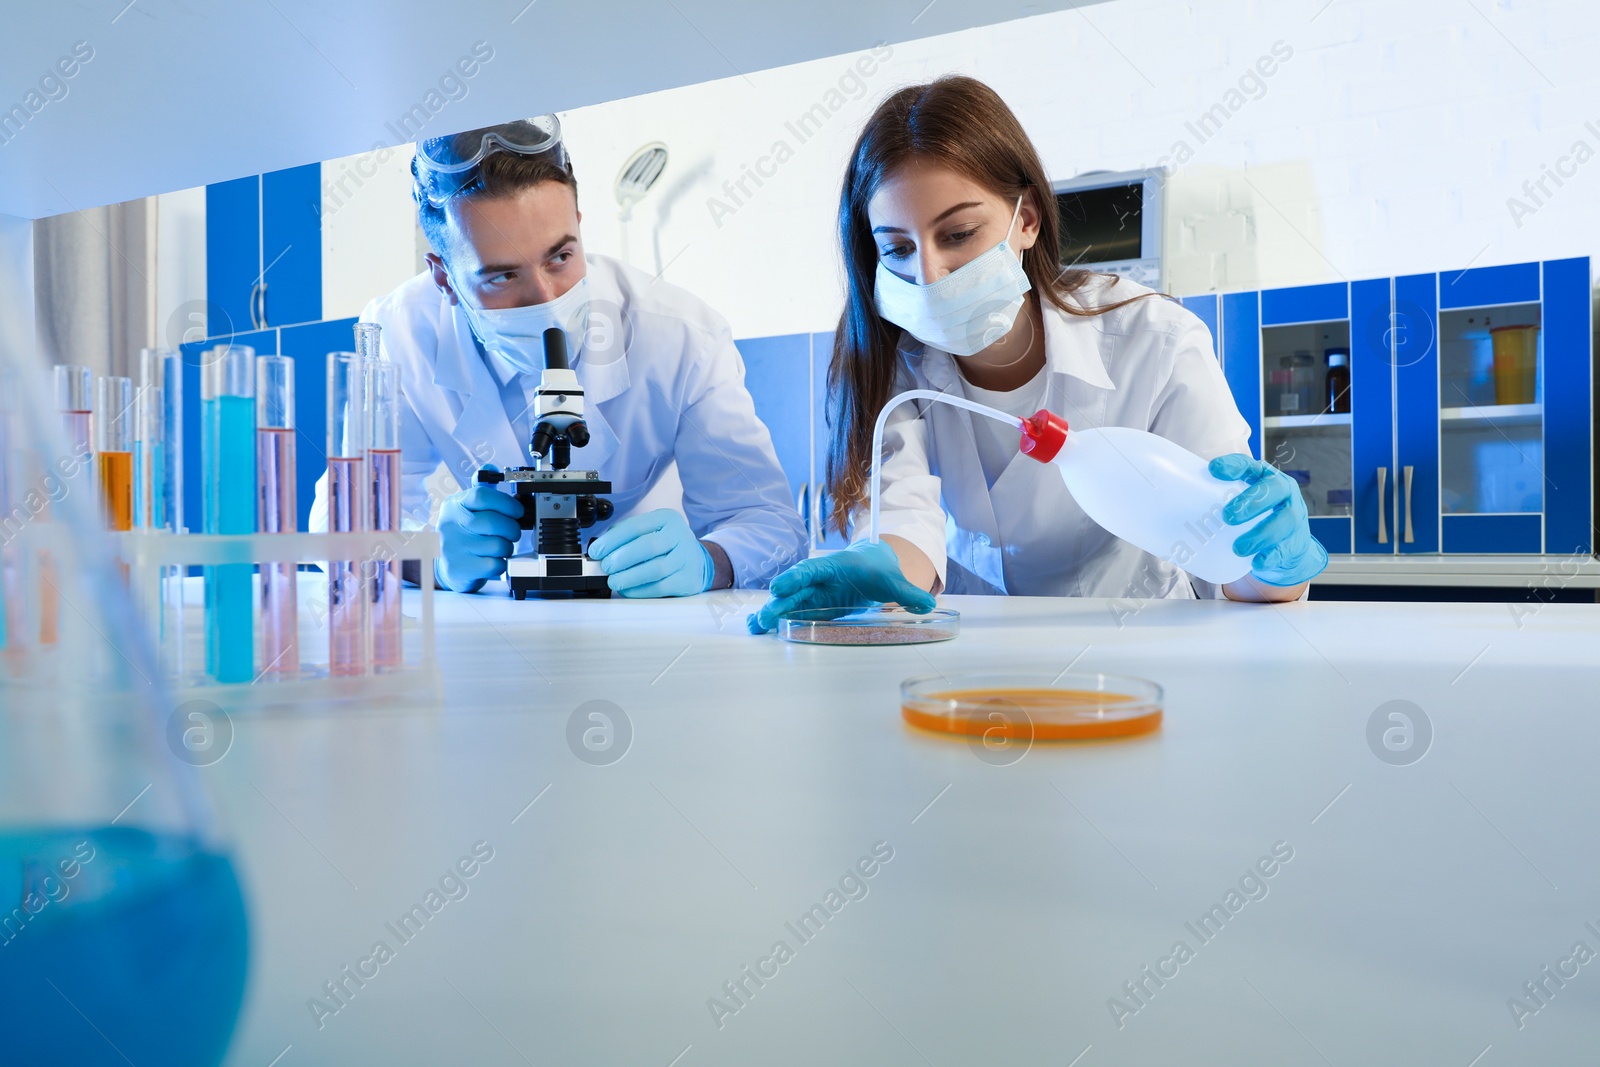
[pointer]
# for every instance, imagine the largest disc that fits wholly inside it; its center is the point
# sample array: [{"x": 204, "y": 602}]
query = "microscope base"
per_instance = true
[{"x": 556, "y": 576}]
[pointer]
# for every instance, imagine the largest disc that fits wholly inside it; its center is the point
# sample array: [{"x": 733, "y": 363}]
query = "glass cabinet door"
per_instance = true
[
  {"x": 1491, "y": 413},
  {"x": 1305, "y": 374},
  {"x": 1468, "y": 426},
  {"x": 1514, "y": 409}
]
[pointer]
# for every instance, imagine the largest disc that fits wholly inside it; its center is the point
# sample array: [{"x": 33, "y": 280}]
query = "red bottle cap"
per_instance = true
[{"x": 1043, "y": 434}]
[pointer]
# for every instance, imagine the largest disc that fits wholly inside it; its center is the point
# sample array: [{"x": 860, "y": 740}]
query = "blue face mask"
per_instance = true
[
  {"x": 968, "y": 309},
  {"x": 517, "y": 334}
]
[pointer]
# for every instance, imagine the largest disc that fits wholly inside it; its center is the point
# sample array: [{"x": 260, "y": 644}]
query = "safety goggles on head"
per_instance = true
[{"x": 443, "y": 166}]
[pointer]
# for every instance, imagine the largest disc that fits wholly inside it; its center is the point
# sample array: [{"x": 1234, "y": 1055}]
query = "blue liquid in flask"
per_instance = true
[{"x": 118, "y": 945}]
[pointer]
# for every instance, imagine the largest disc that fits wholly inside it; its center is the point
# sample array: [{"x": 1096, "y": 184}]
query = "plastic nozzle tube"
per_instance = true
[{"x": 883, "y": 417}]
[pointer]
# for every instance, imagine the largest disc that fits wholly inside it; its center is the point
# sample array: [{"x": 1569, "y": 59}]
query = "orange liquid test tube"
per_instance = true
[{"x": 113, "y": 424}]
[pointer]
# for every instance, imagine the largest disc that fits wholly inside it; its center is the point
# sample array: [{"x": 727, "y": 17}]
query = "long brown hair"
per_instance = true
[{"x": 955, "y": 122}]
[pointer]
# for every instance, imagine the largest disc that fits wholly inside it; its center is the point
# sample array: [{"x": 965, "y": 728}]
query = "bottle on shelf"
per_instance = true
[
  {"x": 1336, "y": 396},
  {"x": 1303, "y": 382},
  {"x": 1282, "y": 397}
]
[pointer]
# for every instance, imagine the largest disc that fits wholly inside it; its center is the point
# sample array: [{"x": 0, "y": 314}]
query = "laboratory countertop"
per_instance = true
[{"x": 759, "y": 863}]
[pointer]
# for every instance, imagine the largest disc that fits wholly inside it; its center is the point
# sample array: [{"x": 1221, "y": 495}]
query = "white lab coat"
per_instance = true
[
  {"x": 665, "y": 403},
  {"x": 1150, "y": 365}
]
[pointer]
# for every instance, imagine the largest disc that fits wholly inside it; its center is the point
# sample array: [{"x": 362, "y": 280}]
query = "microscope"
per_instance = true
[{"x": 556, "y": 502}]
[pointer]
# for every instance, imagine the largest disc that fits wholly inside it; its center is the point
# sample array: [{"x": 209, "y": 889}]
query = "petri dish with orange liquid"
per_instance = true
[{"x": 1086, "y": 706}]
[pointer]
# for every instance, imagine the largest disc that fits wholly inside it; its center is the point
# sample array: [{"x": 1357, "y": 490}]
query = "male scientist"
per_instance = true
[{"x": 700, "y": 501}]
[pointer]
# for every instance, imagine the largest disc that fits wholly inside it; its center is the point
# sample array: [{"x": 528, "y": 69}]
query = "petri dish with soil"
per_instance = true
[
  {"x": 1068, "y": 707},
  {"x": 886, "y": 624}
]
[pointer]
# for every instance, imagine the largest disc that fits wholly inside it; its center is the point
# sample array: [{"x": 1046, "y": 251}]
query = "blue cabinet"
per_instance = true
[
  {"x": 777, "y": 373},
  {"x": 1568, "y": 411},
  {"x": 264, "y": 250},
  {"x": 1469, "y": 427},
  {"x": 1205, "y": 309},
  {"x": 788, "y": 379}
]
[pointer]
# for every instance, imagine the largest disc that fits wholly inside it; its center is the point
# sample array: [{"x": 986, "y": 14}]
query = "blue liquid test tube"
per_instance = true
[
  {"x": 158, "y": 480},
  {"x": 228, "y": 469},
  {"x": 151, "y": 472}
]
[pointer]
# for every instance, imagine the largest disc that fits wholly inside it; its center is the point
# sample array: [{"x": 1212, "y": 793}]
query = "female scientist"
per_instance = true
[{"x": 950, "y": 242}]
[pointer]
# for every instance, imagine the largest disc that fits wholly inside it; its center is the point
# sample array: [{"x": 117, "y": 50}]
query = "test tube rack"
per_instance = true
[{"x": 152, "y": 555}]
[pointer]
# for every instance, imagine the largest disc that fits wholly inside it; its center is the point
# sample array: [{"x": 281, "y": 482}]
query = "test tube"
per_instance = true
[
  {"x": 383, "y": 456},
  {"x": 228, "y": 468},
  {"x": 150, "y": 443},
  {"x": 278, "y": 512},
  {"x": 113, "y": 425},
  {"x": 158, "y": 479},
  {"x": 74, "y": 400},
  {"x": 172, "y": 421},
  {"x": 347, "y": 499}
]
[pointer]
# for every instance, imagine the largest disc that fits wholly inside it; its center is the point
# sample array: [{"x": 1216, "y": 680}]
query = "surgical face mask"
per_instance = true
[
  {"x": 517, "y": 334},
  {"x": 968, "y": 309}
]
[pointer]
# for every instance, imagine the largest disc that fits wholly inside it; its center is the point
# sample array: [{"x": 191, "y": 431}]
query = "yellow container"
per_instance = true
[{"x": 1516, "y": 363}]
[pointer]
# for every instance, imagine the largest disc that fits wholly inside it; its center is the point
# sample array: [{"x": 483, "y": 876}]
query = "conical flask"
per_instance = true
[{"x": 123, "y": 934}]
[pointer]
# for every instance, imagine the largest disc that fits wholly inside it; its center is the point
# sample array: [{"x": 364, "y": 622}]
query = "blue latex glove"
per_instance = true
[
  {"x": 1284, "y": 551},
  {"x": 654, "y": 554},
  {"x": 477, "y": 531},
  {"x": 859, "y": 576}
]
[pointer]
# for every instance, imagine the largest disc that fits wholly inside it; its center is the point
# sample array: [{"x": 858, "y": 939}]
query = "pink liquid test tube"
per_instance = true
[
  {"x": 383, "y": 457},
  {"x": 277, "y": 512},
  {"x": 347, "y": 505},
  {"x": 75, "y": 402}
]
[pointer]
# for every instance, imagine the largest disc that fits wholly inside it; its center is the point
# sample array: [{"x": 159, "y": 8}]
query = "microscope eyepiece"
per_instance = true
[{"x": 555, "y": 349}]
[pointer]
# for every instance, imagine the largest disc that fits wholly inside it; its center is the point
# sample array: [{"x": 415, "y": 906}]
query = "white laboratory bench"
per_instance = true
[{"x": 1019, "y": 898}]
